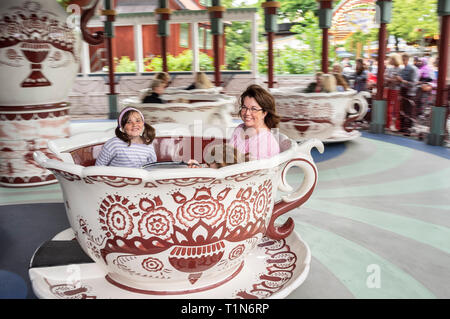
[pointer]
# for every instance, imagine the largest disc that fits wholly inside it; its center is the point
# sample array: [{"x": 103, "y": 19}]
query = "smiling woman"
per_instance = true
[{"x": 258, "y": 113}]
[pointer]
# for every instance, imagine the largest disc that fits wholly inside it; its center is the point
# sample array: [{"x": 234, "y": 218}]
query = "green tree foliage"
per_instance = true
[
  {"x": 238, "y": 40},
  {"x": 181, "y": 62},
  {"x": 124, "y": 65},
  {"x": 309, "y": 33},
  {"x": 362, "y": 38},
  {"x": 237, "y": 57},
  {"x": 289, "y": 61},
  {"x": 292, "y": 10},
  {"x": 414, "y": 19}
]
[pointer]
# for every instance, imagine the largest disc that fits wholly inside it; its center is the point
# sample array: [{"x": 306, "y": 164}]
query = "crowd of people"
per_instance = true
[{"x": 409, "y": 84}]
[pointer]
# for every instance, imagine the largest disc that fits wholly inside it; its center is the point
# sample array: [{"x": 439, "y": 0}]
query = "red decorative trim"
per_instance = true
[
  {"x": 280, "y": 208},
  {"x": 36, "y": 31},
  {"x": 36, "y": 107},
  {"x": 66, "y": 175},
  {"x": 280, "y": 269},
  {"x": 33, "y": 112},
  {"x": 72, "y": 291},
  {"x": 114, "y": 181},
  {"x": 188, "y": 181},
  {"x": 27, "y": 181},
  {"x": 175, "y": 292},
  {"x": 95, "y": 38}
]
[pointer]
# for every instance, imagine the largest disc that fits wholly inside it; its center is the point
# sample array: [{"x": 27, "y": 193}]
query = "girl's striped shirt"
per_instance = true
[{"x": 116, "y": 152}]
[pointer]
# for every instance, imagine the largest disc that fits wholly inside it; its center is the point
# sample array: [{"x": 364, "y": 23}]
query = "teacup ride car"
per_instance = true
[
  {"x": 182, "y": 90},
  {"x": 329, "y": 117},
  {"x": 167, "y": 232},
  {"x": 211, "y": 109}
]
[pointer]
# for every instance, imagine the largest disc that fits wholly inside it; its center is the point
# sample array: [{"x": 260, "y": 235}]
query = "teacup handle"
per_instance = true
[
  {"x": 295, "y": 198},
  {"x": 361, "y": 100}
]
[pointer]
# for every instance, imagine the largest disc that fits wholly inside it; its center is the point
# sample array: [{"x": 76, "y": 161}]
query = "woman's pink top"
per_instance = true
[{"x": 259, "y": 146}]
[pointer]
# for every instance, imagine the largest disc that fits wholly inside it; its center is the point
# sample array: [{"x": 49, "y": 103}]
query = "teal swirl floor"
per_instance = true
[{"x": 377, "y": 224}]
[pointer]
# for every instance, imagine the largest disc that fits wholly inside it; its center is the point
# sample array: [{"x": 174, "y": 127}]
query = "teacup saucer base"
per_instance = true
[
  {"x": 342, "y": 136},
  {"x": 272, "y": 270}
]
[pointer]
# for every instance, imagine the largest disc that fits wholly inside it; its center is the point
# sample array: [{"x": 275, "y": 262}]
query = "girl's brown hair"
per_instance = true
[
  {"x": 148, "y": 135},
  {"x": 265, "y": 100}
]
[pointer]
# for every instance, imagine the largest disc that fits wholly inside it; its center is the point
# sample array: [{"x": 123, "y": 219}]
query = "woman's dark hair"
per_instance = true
[
  {"x": 148, "y": 135},
  {"x": 265, "y": 100}
]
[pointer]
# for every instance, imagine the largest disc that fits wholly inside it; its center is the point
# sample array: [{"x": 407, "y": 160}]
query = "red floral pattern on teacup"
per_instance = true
[
  {"x": 262, "y": 200},
  {"x": 201, "y": 206},
  {"x": 115, "y": 215},
  {"x": 194, "y": 226},
  {"x": 238, "y": 213},
  {"x": 152, "y": 264},
  {"x": 236, "y": 252},
  {"x": 158, "y": 222}
]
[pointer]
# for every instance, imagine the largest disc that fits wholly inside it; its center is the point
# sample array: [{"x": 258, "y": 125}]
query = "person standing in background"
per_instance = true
[
  {"x": 392, "y": 83},
  {"x": 408, "y": 78},
  {"x": 361, "y": 75},
  {"x": 426, "y": 83}
]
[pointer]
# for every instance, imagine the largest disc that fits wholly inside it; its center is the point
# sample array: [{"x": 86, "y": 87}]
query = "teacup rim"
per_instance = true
[
  {"x": 61, "y": 147},
  {"x": 293, "y": 91}
]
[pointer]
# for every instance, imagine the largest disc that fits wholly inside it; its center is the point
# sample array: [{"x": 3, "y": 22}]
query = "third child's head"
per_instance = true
[{"x": 222, "y": 155}]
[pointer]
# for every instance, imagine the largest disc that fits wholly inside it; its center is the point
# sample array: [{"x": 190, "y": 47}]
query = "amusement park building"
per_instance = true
[{"x": 125, "y": 34}]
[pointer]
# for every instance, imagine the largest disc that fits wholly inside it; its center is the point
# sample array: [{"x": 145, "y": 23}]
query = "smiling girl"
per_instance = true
[{"x": 132, "y": 145}]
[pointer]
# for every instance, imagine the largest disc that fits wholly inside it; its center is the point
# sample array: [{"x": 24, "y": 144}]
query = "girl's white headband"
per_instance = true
[{"x": 125, "y": 110}]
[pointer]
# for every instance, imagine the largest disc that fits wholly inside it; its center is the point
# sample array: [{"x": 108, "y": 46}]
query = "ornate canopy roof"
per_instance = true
[{"x": 350, "y": 16}]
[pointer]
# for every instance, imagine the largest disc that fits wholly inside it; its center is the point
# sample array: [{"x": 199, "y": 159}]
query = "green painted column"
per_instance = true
[
  {"x": 163, "y": 29},
  {"x": 378, "y": 116},
  {"x": 110, "y": 14},
  {"x": 325, "y": 14},
  {"x": 270, "y": 26},
  {"x": 216, "y": 17},
  {"x": 439, "y": 112}
]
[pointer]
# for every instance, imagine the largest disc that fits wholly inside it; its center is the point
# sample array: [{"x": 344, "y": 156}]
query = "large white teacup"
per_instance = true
[
  {"x": 182, "y": 90},
  {"x": 176, "y": 230},
  {"x": 326, "y": 116},
  {"x": 187, "y": 109}
]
